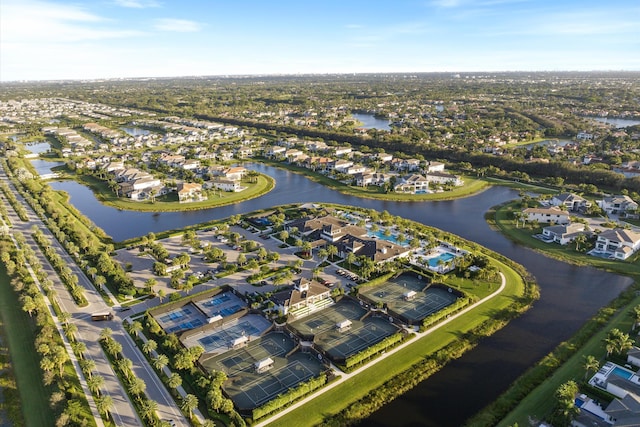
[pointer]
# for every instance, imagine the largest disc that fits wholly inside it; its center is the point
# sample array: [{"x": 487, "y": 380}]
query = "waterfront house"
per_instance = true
[
  {"x": 617, "y": 204},
  {"x": 546, "y": 215},
  {"x": 563, "y": 233},
  {"x": 618, "y": 243},
  {"x": 572, "y": 202}
]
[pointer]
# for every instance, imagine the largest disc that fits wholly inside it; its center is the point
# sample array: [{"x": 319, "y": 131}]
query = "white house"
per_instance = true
[
  {"x": 546, "y": 215},
  {"x": 618, "y": 243},
  {"x": 573, "y": 202},
  {"x": 412, "y": 184},
  {"x": 564, "y": 233},
  {"x": 225, "y": 185},
  {"x": 617, "y": 204}
]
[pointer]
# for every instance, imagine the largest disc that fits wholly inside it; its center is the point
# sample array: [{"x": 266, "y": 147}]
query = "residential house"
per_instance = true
[
  {"x": 378, "y": 250},
  {"x": 413, "y": 184},
  {"x": 341, "y": 165},
  {"x": 617, "y": 204},
  {"x": 356, "y": 169},
  {"x": 618, "y": 243},
  {"x": 275, "y": 151},
  {"x": 190, "y": 192},
  {"x": 379, "y": 179},
  {"x": 564, "y": 233},
  {"x": 292, "y": 154},
  {"x": 443, "y": 178},
  {"x": 342, "y": 151},
  {"x": 584, "y": 136},
  {"x": 225, "y": 185},
  {"x": 434, "y": 166},
  {"x": 572, "y": 202},
  {"x": 546, "y": 215},
  {"x": 235, "y": 173}
]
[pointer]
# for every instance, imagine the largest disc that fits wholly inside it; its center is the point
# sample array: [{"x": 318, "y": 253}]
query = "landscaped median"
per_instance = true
[{"x": 356, "y": 399}]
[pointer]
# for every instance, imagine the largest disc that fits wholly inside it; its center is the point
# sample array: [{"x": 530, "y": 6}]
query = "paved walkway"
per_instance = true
[{"x": 347, "y": 376}]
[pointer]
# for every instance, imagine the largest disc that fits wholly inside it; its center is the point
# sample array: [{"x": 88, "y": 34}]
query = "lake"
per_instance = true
[
  {"x": 369, "y": 121},
  {"x": 570, "y": 295},
  {"x": 616, "y": 122},
  {"x": 135, "y": 131}
]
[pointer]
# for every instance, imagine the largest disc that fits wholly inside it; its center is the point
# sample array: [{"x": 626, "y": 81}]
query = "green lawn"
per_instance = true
[
  {"x": 25, "y": 360},
  {"x": 335, "y": 400}
]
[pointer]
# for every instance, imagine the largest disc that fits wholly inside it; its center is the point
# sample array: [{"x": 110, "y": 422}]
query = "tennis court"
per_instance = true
[
  {"x": 250, "y": 388},
  {"x": 224, "y": 304},
  {"x": 181, "y": 319},
  {"x": 221, "y": 339},
  {"x": 408, "y": 296},
  {"x": 340, "y": 343}
]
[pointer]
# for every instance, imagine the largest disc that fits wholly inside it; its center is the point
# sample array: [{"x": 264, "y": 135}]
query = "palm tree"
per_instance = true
[
  {"x": 590, "y": 364},
  {"x": 332, "y": 251},
  {"x": 148, "y": 409},
  {"x": 105, "y": 334},
  {"x": 134, "y": 328},
  {"x": 87, "y": 366},
  {"x": 580, "y": 240},
  {"x": 160, "y": 362},
  {"x": 104, "y": 404},
  {"x": 174, "y": 381},
  {"x": 149, "y": 346},
  {"x": 137, "y": 387},
  {"x": 95, "y": 383},
  {"x": 636, "y": 316},
  {"x": 189, "y": 403}
]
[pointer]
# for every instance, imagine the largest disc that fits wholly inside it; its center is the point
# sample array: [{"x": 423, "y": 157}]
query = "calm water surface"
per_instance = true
[
  {"x": 569, "y": 295},
  {"x": 615, "y": 122},
  {"x": 369, "y": 121}
]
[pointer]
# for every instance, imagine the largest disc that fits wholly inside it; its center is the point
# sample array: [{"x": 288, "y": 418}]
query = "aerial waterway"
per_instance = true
[{"x": 570, "y": 295}]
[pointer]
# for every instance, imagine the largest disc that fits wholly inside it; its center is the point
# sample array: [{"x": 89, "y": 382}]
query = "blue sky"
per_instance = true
[{"x": 87, "y": 39}]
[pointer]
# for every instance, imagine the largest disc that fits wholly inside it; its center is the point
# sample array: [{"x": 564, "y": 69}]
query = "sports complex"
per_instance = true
[{"x": 263, "y": 360}]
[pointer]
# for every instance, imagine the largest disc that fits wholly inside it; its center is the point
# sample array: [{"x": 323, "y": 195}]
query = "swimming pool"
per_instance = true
[
  {"x": 445, "y": 257},
  {"x": 380, "y": 235},
  {"x": 623, "y": 373}
]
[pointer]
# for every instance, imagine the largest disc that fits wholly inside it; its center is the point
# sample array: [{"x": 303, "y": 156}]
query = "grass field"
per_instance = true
[
  {"x": 313, "y": 412},
  {"x": 25, "y": 360}
]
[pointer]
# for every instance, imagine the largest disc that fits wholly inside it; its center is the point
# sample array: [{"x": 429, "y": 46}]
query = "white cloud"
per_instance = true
[
  {"x": 41, "y": 22},
  {"x": 177, "y": 25},
  {"x": 137, "y": 4}
]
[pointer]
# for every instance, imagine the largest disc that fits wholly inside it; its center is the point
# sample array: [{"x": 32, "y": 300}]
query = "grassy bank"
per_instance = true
[
  {"x": 471, "y": 186},
  {"x": 102, "y": 192},
  {"x": 19, "y": 332}
]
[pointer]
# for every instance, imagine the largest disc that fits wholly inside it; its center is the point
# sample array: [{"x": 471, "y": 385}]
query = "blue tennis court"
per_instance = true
[
  {"x": 181, "y": 319},
  {"x": 221, "y": 339},
  {"x": 224, "y": 304}
]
